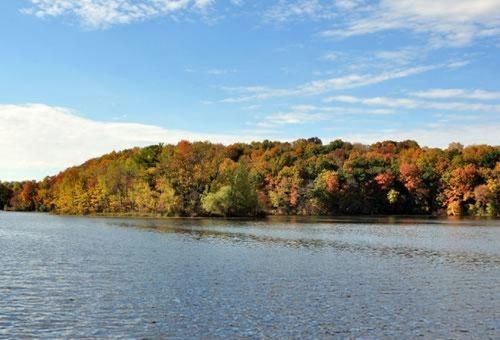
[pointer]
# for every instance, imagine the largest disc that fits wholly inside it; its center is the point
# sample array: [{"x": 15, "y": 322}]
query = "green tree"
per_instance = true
[{"x": 239, "y": 198}]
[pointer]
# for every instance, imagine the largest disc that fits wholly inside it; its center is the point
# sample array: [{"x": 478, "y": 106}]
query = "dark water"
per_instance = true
[{"x": 69, "y": 277}]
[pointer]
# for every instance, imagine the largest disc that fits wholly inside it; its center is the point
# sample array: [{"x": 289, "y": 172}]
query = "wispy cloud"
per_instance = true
[
  {"x": 448, "y": 22},
  {"x": 317, "y": 87},
  {"x": 251, "y": 93},
  {"x": 299, "y": 10},
  {"x": 307, "y": 114},
  {"x": 401, "y": 56},
  {"x": 288, "y": 10},
  {"x": 409, "y": 103},
  {"x": 457, "y": 93},
  {"x": 300, "y": 114},
  {"x": 357, "y": 80},
  {"x": 97, "y": 14},
  {"x": 290, "y": 118}
]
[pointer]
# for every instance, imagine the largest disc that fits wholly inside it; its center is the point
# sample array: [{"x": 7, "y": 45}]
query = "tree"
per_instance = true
[
  {"x": 239, "y": 198},
  {"x": 459, "y": 192},
  {"x": 284, "y": 191},
  {"x": 5, "y": 196},
  {"x": 326, "y": 192},
  {"x": 219, "y": 202},
  {"x": 291, "y": 178}
]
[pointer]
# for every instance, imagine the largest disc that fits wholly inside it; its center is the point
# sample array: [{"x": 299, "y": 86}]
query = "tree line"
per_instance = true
[{"x": 304, "y": 177}]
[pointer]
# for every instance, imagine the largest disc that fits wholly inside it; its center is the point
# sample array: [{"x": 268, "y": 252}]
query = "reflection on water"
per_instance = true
[
  {"x": 67, "y": 277},
  {"x": 320, "y": 235}
]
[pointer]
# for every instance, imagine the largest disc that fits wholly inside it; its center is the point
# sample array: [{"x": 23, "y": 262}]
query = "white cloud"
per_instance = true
[
  {"x": 299, "y": 114},
  {"x": 43, "y": 138},
  {"x": 407, "y": 103},
  {"x": 348, "y": 4},
  {"x": 299, "y": 10},
  {"x": 290, "y": 118},
  {"x": 316, "y": 87},
  {"x": 436, "y": 135},
  {"x": 401, "y": 56},
  {"x": 304, "y": 114},
  {"x": 288, "y": 10},
  {"x": 250, "y": 93},
  {"x": 376, "y": 101},
  {"x": 104, "y": 13},
  {"x": 457, "y": 93},
  {"x": 356, "y": 80},
  {"x": 449, "y": 22}
]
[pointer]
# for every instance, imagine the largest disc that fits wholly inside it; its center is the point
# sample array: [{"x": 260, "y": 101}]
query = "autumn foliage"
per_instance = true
[{"x": 305, "y": 177}]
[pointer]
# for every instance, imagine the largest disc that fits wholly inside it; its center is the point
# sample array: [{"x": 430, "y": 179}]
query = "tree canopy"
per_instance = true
[{"x": 304, "y": 177}]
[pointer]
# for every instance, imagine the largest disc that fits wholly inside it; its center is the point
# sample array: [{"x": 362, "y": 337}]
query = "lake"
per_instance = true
[{"x": 68, "y": 277}]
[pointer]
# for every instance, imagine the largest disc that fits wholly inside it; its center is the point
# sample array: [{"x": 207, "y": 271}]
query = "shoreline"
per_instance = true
[{"x": 285, "y": 218}]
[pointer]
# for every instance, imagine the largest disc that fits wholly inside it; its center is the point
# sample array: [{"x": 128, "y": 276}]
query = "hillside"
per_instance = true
[{"x": 305, "y": 177}]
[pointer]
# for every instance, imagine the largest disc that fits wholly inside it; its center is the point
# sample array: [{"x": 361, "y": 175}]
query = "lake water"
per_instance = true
[{"x": 67, "y": 277}]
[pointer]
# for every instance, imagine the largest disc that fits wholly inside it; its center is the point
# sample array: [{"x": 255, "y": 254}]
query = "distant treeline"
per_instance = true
[{"x": 304, "y": 177}]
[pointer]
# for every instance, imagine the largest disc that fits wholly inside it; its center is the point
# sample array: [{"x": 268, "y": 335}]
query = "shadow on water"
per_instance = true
[{"x": 259, "y": 233}]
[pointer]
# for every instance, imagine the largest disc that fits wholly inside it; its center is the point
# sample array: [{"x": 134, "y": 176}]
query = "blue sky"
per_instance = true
[{"x": 82, "y": 78}]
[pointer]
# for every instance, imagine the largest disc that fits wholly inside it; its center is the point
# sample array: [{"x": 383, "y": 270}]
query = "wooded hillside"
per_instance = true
[{"x": 304, "y": 177}]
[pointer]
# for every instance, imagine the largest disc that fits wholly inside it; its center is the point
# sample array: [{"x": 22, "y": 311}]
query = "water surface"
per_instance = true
[{"x": 67, "y": 277}]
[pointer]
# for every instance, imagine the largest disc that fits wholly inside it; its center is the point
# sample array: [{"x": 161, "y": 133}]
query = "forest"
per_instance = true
[{"x": 304, "y": 177}]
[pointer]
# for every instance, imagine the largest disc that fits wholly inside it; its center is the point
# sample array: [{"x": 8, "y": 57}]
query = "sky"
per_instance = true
[{"x": 80, "y": 78}]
